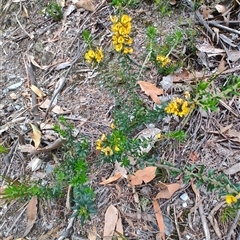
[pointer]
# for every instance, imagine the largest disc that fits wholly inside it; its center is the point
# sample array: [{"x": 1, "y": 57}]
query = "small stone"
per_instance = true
[
  {"x": 184, "y": 197},
  {"x": 184, "y": 205}
]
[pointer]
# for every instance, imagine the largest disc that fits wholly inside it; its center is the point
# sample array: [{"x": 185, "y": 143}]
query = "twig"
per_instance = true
[
  {"x": 34, "y": 96},
  {"x": 176, "y": 223},
  {"x": 64, "y": 80},
  {"x": 233, "y": 225},
  {"x": 10, "y": 154},
  {"x": 66, "y": 232},
  {"x": 21, "y": 213},
  {"x": 224, "y": 27},
  {"x": 204, "y": 222}
]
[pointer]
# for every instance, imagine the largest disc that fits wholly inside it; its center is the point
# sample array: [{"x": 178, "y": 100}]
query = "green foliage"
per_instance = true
[
  {"x": 3, "y": 149},
  {"x": 54, "y": 11},
  {"x": 228, "y": 214},
  {"x": 178, "y": 135}
]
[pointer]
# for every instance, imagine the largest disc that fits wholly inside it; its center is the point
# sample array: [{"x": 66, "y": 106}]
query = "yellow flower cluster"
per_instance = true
[
  {"x": 105, "y": 149},
  {"x": 92, "y": 56},
  {"x": 230, "y": 199},
  {"x": 163, "y": 60},
  {"x": 121, "y": 30},
  {"x": 178, "y": 107}
]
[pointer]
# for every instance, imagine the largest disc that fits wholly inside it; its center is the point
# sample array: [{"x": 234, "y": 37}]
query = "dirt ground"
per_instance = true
[{"x": 37, "y": 50}]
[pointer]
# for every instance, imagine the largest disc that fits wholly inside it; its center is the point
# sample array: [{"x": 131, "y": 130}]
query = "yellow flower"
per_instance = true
[
  {"x": 125, "y": 19},
  {"x": 114, "y": 19},
  {"x": 99, "y": 55},
  {"x": 120, "y": 39},
  {"x": 127, "y": 50},
  {"x": 116, "y": 148},
  {"x": 112, "y": 126},
  {"x": 128, "y": 41},
  {"x": 99, "y": 144},
  {"x": 89, "y": 56},
  {"x": 187, "y": 95},
  {"x": 163, "y": 60},
  {"x": 103, "y": 137},
  {"x": 107, "y": 151},
  {"x": 178, "y": 107},
  {"x": 116, "y": 27},
  {"x": 118, "y": 47},
  {"x": 125, "y": 30},
  {"x": 159, "y": 135},
  {"x": 230, "y": 199}
]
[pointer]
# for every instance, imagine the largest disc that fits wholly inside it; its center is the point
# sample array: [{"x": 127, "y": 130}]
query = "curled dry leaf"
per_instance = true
[
  {"x": 58, "y": 110},
  {"x": 111, "y": 179},
  {"x": 151, "y": 90},
  {"x": 36, "y": 136},
  {"x": 167, "y": 190},
  {"x": 111, "y": 218},
  {"x": 145, "y": 175}
]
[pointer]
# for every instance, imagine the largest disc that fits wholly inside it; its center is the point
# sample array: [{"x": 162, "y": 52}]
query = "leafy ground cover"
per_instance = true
[{"x": 120, "y": 120}]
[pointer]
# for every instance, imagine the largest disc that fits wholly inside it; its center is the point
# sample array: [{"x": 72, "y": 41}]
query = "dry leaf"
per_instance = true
[
  {"x": 86, "y": 4},
  {"x": 159, "y": 217},
  {"x": 111, "y": 179},
  {"x": 233, "y": 169},
  {"x": 205, "y": 11},
  {"x": 38, "y": 91},
  {"x": 45, "y": 104},
  {"x": 220, "y": 8},
  {"x": 193, "y": 156},
  {"x": 221, "y": 66},
  {"x": 167, "y": 190},
  {"x": 26, "y": 148},
  {"x": 145, "y": 175},
  {"x": 111, "y": 218},
  {"x": 58, "y": 110},
  {"x": 119, "y": 227},
  {"x": 36, "y": 136},
  {"x": 34, "y": 164},
  {"x": 233, "y": 133},
  {"x": 92, "y": 234},
  {"x": 194, "y": 188},
  {"x": 151, "y": 90},
  {"x": 31, "y": 213},
  {"x": 233, "y": 55},
  {"x": 120, "y": 169}
]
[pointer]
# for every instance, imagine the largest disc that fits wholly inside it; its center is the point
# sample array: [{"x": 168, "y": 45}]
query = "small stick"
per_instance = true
[{"x": 204, "y": 222}]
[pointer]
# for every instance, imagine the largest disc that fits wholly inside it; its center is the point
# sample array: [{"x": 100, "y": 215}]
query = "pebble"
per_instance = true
[{"x": 184, "y": 197}]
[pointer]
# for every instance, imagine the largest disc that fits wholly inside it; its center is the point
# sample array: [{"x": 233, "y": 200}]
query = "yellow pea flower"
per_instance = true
[
  {"x": 120, "y": 39},
  {"x": 230, "y": 199},
  {"x": 99, "y": 55},
  {"x": 116, "y": 148},
  {"x": 112, "y": 126},
  {"x": 103, "y": 137},
  {"x": 118, "y": 47},
  {"x": 127, "y": 50},
  {"x": 114, "y": 19},
  {"x": 107, "y": 151},
  {"x": 128, "y": 41},
  {"x": 125, "y": 19}
]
